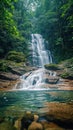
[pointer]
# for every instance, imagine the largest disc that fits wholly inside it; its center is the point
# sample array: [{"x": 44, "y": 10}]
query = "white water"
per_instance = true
[{"x": 41, "y": 56}]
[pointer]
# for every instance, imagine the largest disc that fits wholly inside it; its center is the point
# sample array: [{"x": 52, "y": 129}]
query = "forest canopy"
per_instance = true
[{"x": 51, "y": 18}]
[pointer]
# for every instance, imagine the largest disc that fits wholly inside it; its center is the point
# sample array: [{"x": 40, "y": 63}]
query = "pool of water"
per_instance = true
[{"x": 16, "y": 102}]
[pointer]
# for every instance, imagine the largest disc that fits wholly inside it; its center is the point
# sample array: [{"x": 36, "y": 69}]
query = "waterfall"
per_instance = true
[{"x": 40, "y": 56}]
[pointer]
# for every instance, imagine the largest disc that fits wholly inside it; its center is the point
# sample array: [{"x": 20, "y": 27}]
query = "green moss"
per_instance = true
[
  {"x": 3, "y": 65},
  {"x": 68, "y": 69},
  {"x": 6, "y": 65},
  {"x": 69, "y": 63},
  {"x": 6, "y": 126},
  {"x": 51, "y": 66},
  {"x": 16, "y": 56},
  {"x": 65, "y": 75}
]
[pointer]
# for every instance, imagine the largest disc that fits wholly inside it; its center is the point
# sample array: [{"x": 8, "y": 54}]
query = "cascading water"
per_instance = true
[{"x": 40, "y": 56}]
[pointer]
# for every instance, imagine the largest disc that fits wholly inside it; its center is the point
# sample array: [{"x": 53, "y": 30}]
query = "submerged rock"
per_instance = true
[
  {"x": 26, "y": 120},
  {"x": 18, "y": 124},
  {"x": 35, "y": 126},
  {"x": 7, "y": 126}
]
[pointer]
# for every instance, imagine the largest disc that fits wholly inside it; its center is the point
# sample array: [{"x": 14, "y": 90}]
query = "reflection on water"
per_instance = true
[{"x": 20, "y": 101}]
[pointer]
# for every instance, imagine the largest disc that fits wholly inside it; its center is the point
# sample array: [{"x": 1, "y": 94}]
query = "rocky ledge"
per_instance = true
[
  {"x": 9, "y": 77},
  {"x": 64, "y": 72}
]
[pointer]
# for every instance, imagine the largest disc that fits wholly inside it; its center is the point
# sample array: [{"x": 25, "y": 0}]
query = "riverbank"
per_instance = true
[{"x": 64, "y": 73}]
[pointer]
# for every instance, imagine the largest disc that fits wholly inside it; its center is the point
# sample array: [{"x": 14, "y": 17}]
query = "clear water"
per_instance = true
[{"x": 17, "y": 102}]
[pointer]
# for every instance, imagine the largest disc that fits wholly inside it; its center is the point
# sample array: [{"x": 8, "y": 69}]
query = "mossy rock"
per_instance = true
[
  {"x": 68, "y": 69},
  {"x": 16, "y": 56},
  {"x": 68, "y": 63},
  {"x": 7, "y": 65},
  {"x": 4, "y": 66},
  {"x": 67, "y": 75},
  {"x": 52, "y": 66}
]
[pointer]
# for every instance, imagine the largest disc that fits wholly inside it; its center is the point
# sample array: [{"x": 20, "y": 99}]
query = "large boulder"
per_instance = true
[
  {"x": 60, "y": 113},
  {"x": 50, "y": 126},
  {"x": 51, "y": 79},
  {"x": 35, "y": 126},
  {"x": 52, "y": 67}
]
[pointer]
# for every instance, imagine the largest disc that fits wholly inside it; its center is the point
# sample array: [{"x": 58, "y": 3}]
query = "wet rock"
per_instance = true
[
  {"x": 36, "y": 117},
  {"x": 17, "y": 124},
  {"x": 26, "y": 75},
  {"x": 35, "y": 126},
  {"x": 50, "y": 126},
  {"x": 26, "y": 120},
  {"x": 8, "y": 76},
  {"x": 51, "y": 80},
  {"x": 61, "y": 114},
  {"x": 7, "y": 84}
]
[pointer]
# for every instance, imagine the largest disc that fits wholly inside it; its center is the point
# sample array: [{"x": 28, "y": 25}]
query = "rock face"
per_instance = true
[{"x": 8, "y": 76}]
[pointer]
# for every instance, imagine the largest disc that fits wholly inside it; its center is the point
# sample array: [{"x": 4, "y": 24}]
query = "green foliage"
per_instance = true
[
  {"x": 51, "y": 66},
  {"x": 53, "y": 19},
  {"x": 59, "y": 41},
  {"x": 55, "y": 23},
  {"x": 15, "y": 56},
  {"x": 15, "y": 26}
]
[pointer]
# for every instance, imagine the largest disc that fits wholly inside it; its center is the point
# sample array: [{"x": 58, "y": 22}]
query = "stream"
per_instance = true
[
  {"x": 37, "y": 90},
  {"x": 17, "y": 102}
]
